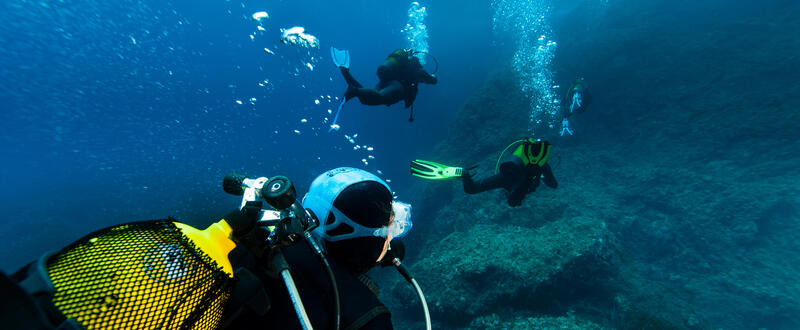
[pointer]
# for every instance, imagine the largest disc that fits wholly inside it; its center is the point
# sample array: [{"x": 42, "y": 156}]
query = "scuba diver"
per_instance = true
[
  {"x": 237, "y": 273},
  {"x": 518, "y": 177},
  {"x": 358, "y": 220},
  {"x": 399, "y": 76},
  {"x": 576, "y": 100}
]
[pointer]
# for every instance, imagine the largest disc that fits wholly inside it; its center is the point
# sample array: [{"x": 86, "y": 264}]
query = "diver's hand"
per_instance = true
[{"x": 243, "y": 221}]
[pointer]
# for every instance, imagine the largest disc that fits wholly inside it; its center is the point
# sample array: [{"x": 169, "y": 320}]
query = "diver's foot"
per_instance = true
[
  {"x": 351, "y": 92},
  {"x": 467, "y": 172}
]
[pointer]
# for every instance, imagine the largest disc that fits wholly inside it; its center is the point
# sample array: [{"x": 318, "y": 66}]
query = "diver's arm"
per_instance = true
[
  {"x": 549, "y": 179},
  {"x": 427, "y": 78},
  {"x": 517, "y": 194}
]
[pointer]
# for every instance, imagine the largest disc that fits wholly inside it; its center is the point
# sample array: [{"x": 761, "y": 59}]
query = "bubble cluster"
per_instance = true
[
  {"x": 415, "y": 30},
  {"x": 365, "y": 148},
  {"x": 297, "y": 36},
  {"x": 528, "y": 22},
  {"x": 299, "y": 49}
]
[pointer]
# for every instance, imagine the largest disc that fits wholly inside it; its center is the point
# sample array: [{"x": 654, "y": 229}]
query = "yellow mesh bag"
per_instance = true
[{"x": 142, "y": 275}]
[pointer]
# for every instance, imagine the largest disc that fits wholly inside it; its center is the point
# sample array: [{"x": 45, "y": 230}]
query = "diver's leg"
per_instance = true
[
  {"x": 493, "y": 182},
  {"x": 391, "y": 93},
  {"x": 367, "y": 96},
  {"x": 351, "y": 81}
]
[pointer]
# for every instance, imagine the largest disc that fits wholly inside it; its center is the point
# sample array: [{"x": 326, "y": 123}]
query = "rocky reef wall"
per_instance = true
[{"x": 677, "y": 204}]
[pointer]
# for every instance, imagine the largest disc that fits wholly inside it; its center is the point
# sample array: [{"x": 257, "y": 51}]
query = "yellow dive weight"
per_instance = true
[{"x": 214, "y": 241}]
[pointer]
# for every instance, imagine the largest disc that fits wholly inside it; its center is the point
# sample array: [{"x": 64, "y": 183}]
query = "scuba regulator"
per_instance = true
[
  {"x": 276, "y": 229},
  {"x": 293, "y": 223}
]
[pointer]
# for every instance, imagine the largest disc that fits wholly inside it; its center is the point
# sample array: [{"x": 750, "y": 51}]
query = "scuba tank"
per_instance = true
[
  {"x": 400, "y": 65},
  {"x": 162, "y": 273},
  {"x": 158, "y": 273}
]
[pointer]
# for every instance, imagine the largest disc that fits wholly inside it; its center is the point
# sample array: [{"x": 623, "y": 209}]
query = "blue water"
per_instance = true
[{"x": 114, "y": 111}]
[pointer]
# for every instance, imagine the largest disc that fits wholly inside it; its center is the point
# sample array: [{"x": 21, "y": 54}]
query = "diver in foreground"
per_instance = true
[
  {"x": 576, "y": 100},
  {"x": 358, "y": 219},
  {"x": 167, "y": 275},
  {"x": 399, "y": 76},
  {"x": 518, "y": 177}
]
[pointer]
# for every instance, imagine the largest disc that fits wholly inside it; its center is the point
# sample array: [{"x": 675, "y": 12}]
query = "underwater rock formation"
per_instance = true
[
  {"x": 688, "y": 155},
  {"x": 495, "y": 267},
  {"x": 569, "y": 322}
]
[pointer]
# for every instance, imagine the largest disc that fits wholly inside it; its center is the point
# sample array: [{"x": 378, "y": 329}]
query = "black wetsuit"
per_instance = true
[
  {"x": 397, "y": 83},
  {"x": 360, "y": 307},
  {"x": 517, "y": 178}
]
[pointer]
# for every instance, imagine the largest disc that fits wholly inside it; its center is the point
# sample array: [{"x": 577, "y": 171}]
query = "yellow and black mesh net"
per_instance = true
[{"x": 142, "y": 275}]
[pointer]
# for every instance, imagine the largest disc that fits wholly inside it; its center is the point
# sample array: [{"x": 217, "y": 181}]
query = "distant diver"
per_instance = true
[
  {"x": 518, "y": 177},
  {"x": 399, "y": 76},
  {"x": 576, "y": 100}
]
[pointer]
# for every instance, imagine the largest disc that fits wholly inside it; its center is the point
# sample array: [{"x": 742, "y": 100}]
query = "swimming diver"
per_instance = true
[
  {"x": 576, "y": 100},
  {"x": 518, "y": 177},
  {"x": 399, "y": 76}
]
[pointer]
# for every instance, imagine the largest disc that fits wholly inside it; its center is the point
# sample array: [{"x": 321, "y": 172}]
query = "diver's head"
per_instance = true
[
  {"x": 579, "y": 84},
  {"x": 533, "y": 152},
  {"x": 358, "y": 217}
]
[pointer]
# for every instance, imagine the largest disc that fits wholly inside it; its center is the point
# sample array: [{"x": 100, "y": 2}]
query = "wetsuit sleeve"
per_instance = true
[
  {"x": 425, "y": 77},
  {"x": 518, "y": 193},
  {"x": 549, "y": 178}
]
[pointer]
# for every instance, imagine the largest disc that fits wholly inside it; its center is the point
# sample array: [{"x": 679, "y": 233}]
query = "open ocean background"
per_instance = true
[{"x": 121, "y": 110}]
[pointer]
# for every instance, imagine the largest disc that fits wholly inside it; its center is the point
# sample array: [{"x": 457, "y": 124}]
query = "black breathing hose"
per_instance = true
[
  {"x": 337, "y": 320},
  {"x": 407, "y": 275},
  {"x": 435, "y": 61}
]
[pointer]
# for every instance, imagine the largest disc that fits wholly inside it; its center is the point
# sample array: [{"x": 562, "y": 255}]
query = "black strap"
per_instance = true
[
  {"x": 26, "y": 300},
  {"x": 37, "y": 281},
  {"x": 411, "y": 114},
  {"x": 368, "y": 316},
  {"x": 248, "y": 294},
  {"x": 371, "y": 285}
]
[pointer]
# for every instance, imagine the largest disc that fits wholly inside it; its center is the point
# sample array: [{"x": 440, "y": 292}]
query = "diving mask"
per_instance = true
[{"x": 398, "y": 226}]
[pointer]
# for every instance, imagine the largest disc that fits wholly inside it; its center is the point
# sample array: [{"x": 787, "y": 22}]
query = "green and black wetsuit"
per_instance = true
[{"x": 519, "y": 176}]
